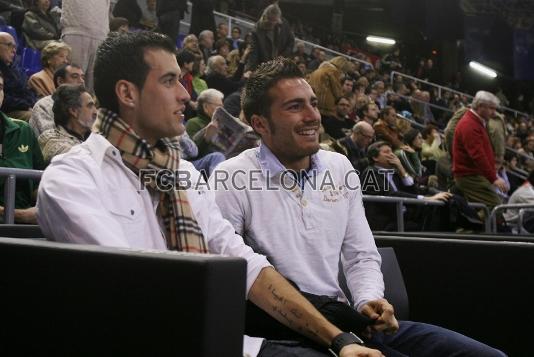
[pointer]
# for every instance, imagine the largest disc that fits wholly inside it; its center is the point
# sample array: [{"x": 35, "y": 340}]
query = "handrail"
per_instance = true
[
  {"x": 496, "y": 209},
  {"x": 11, "y": 175},
  {"x": 440, "y": 88},
  {"x": 311, "y": 44},
  {"x": 401, "y": 201},
  {"x": 411, "y": 98},
  {"x": 229, "y": 19}
]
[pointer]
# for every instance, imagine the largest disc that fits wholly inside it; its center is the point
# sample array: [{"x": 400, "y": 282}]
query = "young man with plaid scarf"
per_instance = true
[{"x": 96, "y": 193}]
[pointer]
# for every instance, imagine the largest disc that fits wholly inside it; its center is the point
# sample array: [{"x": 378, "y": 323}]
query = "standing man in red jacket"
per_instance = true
[{"x": 473, "y": 163}]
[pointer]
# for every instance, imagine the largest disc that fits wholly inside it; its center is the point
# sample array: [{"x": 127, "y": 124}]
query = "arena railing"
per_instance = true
[
  {"x": 11, "y": 175},
  {"x": 441, "y": 89},
  {"x": 495, "y": 211},
  {"x": 401, "y": 201},
  {"x": 247, "y": 25},
  {"x": 419, "y": 125}
]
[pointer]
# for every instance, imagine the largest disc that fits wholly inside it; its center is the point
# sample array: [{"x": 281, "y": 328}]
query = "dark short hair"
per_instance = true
[
  {"x": 122, "y": 57},
  {"x": 66, "y": 97},
  {"x": 184, "y": 57},
  {"x": 385, "y": 111},
  {"x": 374, "y": 150},
  {"x": 61, "y": 72},
  {"x": 220, "y": 43},
  {"x": 255, "y": 98}
]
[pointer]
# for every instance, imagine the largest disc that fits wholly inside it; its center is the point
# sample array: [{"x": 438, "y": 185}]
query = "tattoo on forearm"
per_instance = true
[{"x": 290, "y": 317}]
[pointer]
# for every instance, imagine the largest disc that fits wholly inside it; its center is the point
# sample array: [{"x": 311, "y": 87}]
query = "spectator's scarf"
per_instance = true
[{"x": 182, "y": 230}]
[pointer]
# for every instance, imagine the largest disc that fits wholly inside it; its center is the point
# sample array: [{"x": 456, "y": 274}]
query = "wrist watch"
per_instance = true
[{"x": 341, "y": 340}]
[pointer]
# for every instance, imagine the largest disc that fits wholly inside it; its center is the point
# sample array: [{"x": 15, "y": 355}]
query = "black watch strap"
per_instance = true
[{"x": 343, "y": 339}]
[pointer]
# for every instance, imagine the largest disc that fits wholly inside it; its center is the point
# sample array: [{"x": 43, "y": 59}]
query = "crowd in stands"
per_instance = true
[
  {"x": 359, "y": 104},
  {"x": 346, "y": 108}
]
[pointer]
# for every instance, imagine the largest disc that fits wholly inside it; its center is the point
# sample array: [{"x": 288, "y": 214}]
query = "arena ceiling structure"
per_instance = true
[{"x": 517, "y": 13}]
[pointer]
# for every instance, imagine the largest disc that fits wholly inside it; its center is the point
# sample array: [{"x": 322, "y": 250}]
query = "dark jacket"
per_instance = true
[
  {"x": 356, "y": 156},
  {"x": 129, "y": 10},
  {"x": 382, "y": 216},
  {"x": 18, "y": 96},
  {"x": 263, "y": 49},
  {"x": 39, "y": 28},
  {"x": 224, "y": 84}
]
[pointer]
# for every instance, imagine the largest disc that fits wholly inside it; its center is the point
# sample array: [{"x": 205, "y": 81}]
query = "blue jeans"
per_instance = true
[
  {"x": 414, "y": 339},
  {"x": 207, "y": 164}
]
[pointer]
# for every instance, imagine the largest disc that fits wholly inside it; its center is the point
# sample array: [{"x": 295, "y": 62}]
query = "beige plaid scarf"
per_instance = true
[{"x": 182, "y": 230}]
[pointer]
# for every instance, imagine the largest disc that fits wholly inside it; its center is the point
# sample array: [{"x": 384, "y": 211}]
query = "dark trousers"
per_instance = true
[{"x": 413, "y": 339}]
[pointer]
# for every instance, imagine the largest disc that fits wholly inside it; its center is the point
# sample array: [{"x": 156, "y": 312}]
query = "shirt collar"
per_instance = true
[
  {"x": 271, "y": 166},
  {"x": 478, "y": 116},
  {"x": 100, "y": 147},
  {"x": 9, "y": 125}
]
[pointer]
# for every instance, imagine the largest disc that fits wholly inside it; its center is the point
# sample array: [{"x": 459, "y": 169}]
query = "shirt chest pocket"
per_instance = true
[{"x": 126, "y": 207}]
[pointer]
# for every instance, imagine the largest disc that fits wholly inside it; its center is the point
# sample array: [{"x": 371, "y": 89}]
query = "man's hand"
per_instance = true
[
  {"x": 394, "y": 160},
  {"x": 501, "y": 184},
  {"x": 210, "y": 131},
  {"x": 407, "y": 148},
  {"x": 382, "y": 312},
  {"x": 355, "y": 350},
  {"x": 441, "y": 196}
]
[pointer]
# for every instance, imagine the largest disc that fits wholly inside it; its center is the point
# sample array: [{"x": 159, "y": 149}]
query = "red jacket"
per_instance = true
[{"x": 472, "y": 153}]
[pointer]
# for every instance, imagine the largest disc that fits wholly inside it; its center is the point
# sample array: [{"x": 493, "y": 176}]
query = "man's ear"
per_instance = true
[
  {"x": 73, "y": 111},
  {"x": 127, "y": 94},
  {"x": 259, "y": 124}
]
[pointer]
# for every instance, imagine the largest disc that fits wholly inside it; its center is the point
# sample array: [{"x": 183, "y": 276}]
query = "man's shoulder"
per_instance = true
[
  {"x": 331, "y": 159},
  {"x": 246, "y": 160}
]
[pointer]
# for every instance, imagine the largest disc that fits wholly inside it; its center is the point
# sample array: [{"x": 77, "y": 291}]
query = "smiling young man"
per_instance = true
[
  {"x": 312, "y": 200},
  {"x": 93, "y": 194}
]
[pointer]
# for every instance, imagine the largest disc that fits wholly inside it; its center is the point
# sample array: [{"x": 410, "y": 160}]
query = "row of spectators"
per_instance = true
[{"x": 358, "y": 105}]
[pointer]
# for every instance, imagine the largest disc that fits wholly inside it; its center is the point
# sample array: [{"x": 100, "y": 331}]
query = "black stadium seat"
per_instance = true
[{"x": 73, "y": 300}]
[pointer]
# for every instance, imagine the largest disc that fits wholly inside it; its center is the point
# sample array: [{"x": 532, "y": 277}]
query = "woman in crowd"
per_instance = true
[
  {"x": 409, "y": 153},
  {"x": 199, "y": 69},
  {"x": 54, "y": 55},
  {"x": 431, "y": 149},
  {"x": 40, "y": 26}
]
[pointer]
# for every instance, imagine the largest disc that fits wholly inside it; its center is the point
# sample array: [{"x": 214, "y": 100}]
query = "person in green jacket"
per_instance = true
[
  {"x": 19, "y": 149},
  {"x": 409, "y": 153},
  {"x": 200, "y": 128}
]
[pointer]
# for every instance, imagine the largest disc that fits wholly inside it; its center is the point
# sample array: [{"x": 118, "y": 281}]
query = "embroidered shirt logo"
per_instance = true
[{"x": 23, "y": 148}]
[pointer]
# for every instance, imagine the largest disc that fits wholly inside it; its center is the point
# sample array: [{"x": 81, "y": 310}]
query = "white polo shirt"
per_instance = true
[{"x": 303, "y": 232}]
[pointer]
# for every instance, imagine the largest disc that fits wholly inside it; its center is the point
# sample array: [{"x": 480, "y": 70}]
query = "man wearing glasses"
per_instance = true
[
  {"x": 19, "y": 99},
  {"x": 356, "y": 144}
]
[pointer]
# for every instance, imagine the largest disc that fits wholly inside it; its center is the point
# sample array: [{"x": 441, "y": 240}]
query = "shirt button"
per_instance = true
[
  {"x": 132, "y": 212},
  {"x": 304, "y": 203},
  {"x": 114, "y": 153}
]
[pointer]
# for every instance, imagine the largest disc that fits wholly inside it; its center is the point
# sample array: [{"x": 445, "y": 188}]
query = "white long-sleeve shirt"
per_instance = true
[
  {"x": 89, "y": 196},
  {"x": 303, "y": 232},
  {"x": 88, "y": 18}
]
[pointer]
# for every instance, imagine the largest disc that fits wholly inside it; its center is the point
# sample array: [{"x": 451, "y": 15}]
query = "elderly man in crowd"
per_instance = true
[
  {"x": 356, "y": 144},
  {"x": 217, "y": 75},
  {"x": 473, "y": 160},
  {"x": 19, "y": 98}
]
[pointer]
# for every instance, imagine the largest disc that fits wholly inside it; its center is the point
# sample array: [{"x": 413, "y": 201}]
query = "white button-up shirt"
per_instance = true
[
  {"x": 303, "y": 232},
  {"x": 89, "y": 196}
]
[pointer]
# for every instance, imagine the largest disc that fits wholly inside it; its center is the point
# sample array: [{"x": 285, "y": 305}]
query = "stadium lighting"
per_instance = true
[
  {"x": 483, "y": 69},
  {"x": 381, "y": 40}
]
